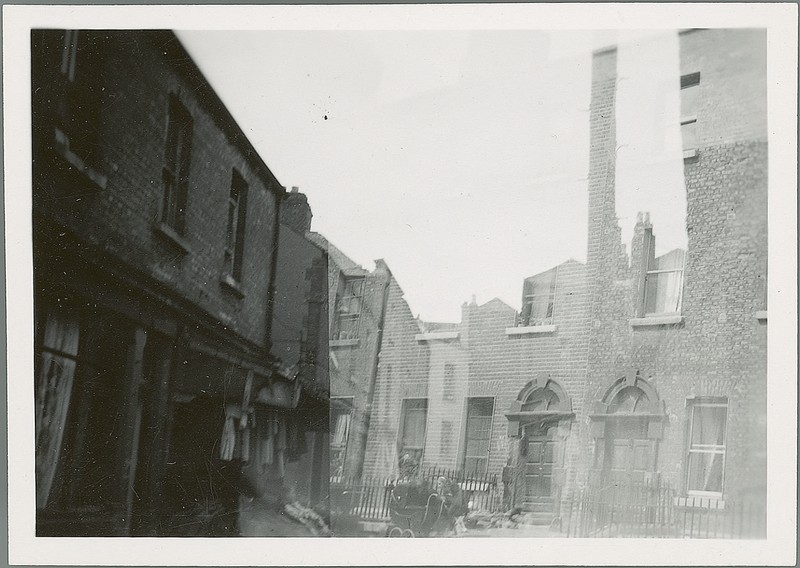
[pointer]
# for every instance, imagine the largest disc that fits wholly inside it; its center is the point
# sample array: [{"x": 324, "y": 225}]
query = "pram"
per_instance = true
[{"x": 417, "y": 509}]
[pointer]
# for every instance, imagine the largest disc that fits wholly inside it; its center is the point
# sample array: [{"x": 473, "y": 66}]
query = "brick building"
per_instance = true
[
  {"x": 646, "y": 363},
  {"x": 155, "y": 226},
  {"x": 357, "y": 304},
  {"x": 676, "y": 378},
  {"x": 480, "y": 387}
]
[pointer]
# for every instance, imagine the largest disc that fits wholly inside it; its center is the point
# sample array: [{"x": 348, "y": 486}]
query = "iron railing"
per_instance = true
[{"x": 654, "y": 510}]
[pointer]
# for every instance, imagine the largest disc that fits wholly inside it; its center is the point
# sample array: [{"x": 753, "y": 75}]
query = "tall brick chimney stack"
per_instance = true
[
  {"x": 295, "y": 211},
  {"x": 602, "y": 158}
]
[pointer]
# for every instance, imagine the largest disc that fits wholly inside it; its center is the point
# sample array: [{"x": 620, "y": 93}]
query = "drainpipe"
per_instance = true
[{"x": 373, "y": 374}]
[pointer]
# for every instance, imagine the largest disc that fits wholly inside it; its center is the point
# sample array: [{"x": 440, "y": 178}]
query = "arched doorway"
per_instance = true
[
  {"x": 627, "y": 425},
  {"x": 540, "y": 418}
]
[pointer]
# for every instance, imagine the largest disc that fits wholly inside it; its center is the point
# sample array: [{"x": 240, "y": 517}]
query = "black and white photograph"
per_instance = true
[{"x": 287, "y": 284}]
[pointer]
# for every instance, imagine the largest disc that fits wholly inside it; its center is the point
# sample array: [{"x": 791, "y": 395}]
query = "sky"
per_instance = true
[{"x": 458, "y": 157}]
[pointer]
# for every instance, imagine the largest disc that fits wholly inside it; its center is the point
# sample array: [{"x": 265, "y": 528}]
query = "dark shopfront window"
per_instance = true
[{"x": 86, "y": 474}]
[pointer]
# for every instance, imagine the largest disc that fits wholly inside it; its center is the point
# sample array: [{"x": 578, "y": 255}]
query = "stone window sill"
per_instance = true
[
  {"x": 656, "y": 320},
  {"x": 343, "y": 343},
  {"x": 173, "y": 237},
  {"x": 436, "y": 335},
  {"x": 761, "y": 315},
  {"x": 530, "y": 330},
  {"x": 63, "y": 150},
  {"x": 232, "y": 284}
]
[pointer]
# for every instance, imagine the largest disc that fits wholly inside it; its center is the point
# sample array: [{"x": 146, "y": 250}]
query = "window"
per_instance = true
[
  {"x": 541, "y": 400},
  {"x": 78, "y": 58},
  {"x": 412, "y": 436},
  {"x": 56, "y": 375},
  {"x": 705, "y": 469},
  {"x": 176, "y": 169},
  {"x": 539, "y": 297},
  {"x": 341, "y": 417},
  {"x": 237, "y": 214},
  {"x": 348, "y": 309},
  {"x": 690, "y": 90},
  {"x": 478, "y": 436},
  {"x": 449, "y": 383},
  {"x": 663, "y": 285}
]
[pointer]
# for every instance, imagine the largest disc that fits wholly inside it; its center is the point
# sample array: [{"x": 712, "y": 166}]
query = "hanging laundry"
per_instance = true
[{"x": 228, "y": 442}]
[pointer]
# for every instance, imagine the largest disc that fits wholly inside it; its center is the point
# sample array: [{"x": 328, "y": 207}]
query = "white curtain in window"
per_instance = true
[
  {"x": 708, "y": 436},
  {"x": 669, "y": 291},
  {"x": 53, "y": 392}
]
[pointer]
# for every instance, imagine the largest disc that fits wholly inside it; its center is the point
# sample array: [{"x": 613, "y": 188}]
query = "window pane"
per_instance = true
[
  {"x": 414, "y": 427},
  {"x": 541, "y": 310},
  {"x": 705, "y": 472},
  {"x": 708, "y": 425},
  {"x": 347, "y": 328},
  {"x": 540, "y": 400},
  {"x": 341, "y": 428},
  {"x": 663, "y": 292},
  {"x": 479, "y": 427}
]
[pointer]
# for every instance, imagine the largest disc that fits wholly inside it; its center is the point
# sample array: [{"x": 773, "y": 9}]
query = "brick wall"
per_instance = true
[
  {"x": 135, "y": 79},
  {"x": 719, "y": 348},
  {"x": 354, "y": 362},
  {"x": 403, "y": 373},
  {"x": 486, "y": 362},
  {"x": 501, "y": 365}
]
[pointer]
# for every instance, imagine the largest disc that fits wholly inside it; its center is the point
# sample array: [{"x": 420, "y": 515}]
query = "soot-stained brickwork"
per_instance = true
[{"x": 716, "y": 350}]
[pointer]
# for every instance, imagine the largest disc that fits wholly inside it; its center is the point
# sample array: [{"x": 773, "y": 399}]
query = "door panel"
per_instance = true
[{"x": 539, "y": 464}]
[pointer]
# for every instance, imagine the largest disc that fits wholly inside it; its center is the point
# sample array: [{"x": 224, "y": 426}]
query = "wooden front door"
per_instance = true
[
  {"x": 539, "y": 462},
  {"x": 628, "y": 455}
]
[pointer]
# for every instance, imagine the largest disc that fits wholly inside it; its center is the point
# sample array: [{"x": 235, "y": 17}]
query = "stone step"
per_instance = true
[
  {"x": 530, "y": 518},
  {"x": 537, "y": 507}
]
